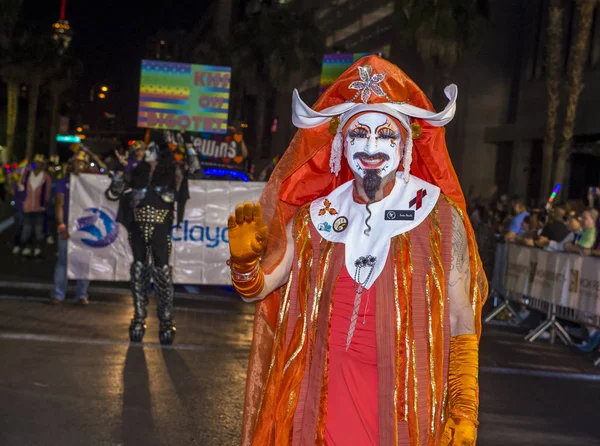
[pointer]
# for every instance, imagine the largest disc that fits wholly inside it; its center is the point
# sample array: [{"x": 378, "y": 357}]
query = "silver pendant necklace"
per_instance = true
[{"x": 361, "y": 263}]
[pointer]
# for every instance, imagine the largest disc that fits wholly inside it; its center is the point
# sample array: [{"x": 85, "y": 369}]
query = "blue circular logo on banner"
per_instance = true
[{"x": 100, "y": 225}]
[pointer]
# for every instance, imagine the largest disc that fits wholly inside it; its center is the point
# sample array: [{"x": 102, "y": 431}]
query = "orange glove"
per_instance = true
[
  {"x": 463, "y": 392},
  {"x": 247, "y": 241}
]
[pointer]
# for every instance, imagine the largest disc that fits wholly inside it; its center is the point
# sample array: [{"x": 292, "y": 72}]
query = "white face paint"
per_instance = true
[
  {"x": 373, "y": 141},
  {"x": 151, "y": 153}
]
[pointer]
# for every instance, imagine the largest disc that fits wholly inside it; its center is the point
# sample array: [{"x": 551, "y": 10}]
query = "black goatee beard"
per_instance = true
[{"x": 371, "y": 184}]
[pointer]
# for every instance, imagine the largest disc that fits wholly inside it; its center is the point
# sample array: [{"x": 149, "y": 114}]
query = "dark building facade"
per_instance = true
[
  {"x": 519, "y": 139},
  {"x": 496, "y": 137}
]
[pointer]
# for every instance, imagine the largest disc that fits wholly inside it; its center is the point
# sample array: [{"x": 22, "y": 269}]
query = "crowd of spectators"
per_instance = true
[
  {"x": 31, "y": 190},
  {"x": 30, "y": 187},
  {"x": 572, "y": 226}
]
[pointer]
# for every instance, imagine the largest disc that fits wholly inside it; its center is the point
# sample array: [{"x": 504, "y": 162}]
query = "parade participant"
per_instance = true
[
  {"x": 134, "y": 156},
  {"x": 37, "y": 185},
  {"x": 17, "y": 194},
  {"x": 366, "y": 272},
  {"x": 54, "y": 170},
  {"x": 4, "y": 172},
  {"x": 184, "y": 153},
  {"x": 147, "y": 211},
  {"x": 78, "y": 164},
  {"x": 96, "y": 165}
]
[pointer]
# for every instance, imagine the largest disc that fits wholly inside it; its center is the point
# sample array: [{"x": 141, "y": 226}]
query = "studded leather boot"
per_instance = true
[
  {"x": 163, "y": 283},
  {"x": 140, "y": 279}
]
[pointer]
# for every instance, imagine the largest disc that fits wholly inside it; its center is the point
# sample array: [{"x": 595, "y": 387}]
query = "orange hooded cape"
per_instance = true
[{"x": 303, "y": 175}]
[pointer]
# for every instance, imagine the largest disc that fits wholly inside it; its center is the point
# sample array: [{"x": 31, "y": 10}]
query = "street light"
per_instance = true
[
  {"x": 104, "y": 88},
  {"x": 102, "y": 96}
]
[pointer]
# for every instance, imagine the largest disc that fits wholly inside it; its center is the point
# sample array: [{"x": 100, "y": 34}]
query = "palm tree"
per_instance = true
[
  {"x": 12, "y": 75},
  {"x": 443, "y": 30},
  {"x": 271, "y": 43},
  {"x": 35, "y": 80},
  {"x": 553, "y": 80},
  {"x": 10, "y": 72},
  {"x": 578, "y": 52},
  {"x": 27, "y": 58},
  {"x": 11, "y": 9},
  {"x": 41, "y": 61},
  {"x": 61, "y": 81}
]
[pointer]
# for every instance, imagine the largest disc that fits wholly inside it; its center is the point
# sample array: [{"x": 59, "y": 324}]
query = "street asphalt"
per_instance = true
[{"x": 70, "y": 377}]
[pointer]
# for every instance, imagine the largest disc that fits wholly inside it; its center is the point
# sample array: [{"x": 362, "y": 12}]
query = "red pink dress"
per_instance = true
[{"x": 352, "y": 401}]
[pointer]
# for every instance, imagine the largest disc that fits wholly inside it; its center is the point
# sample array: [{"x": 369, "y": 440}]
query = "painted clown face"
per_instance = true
[{"x": 373, "y": 142}]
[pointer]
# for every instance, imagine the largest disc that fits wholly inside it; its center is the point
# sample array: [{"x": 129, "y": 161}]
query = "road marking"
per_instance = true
[
  {"x": 541, "y": 373},
  {"x": 4, "y": 225},
  {"x": 43, "y": 286},
  {"x": 84, "y": 341},
  {"x": 121, "y": 304},
  {"x": 117, "y": 291}
]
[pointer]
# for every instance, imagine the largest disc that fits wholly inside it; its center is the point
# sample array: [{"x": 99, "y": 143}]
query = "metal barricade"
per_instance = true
[
  {"x": 502, "y": 298},
  {"x": 504, "y": 305},
  {"x": 555, "y": 313},
  {"x": 554, "y": 281},
  {"x": 551, "y": 323},
  {"x": 552, "y": 311}
]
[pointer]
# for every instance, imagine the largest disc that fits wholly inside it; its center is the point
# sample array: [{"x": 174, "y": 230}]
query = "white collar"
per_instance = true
[{"x": 396, "y": 214}]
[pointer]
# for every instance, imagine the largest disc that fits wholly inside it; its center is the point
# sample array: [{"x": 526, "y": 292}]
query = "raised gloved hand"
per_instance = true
[
  {"x": 247, "y": 241},
  {"x": 247, "y": 236},
  {"x": 463, "y": 392}
]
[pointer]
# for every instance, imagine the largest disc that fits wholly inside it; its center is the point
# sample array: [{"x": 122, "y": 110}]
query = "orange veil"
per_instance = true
[{"x": 303, "y": 174}]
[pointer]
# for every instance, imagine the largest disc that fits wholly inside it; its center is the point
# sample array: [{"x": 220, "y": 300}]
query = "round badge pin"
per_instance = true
[{"x": 340, "y": 224}]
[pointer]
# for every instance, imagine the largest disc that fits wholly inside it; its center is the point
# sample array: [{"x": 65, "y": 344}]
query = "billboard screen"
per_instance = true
[{"x": 184, "y": 97}]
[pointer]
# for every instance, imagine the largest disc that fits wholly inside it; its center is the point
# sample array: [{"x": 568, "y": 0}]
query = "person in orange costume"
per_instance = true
[{"x": 365, "y": 270}]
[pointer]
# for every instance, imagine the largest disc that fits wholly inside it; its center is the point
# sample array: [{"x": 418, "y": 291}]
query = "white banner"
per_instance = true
[
  {"x": 568, "y": 280},
  {"x": 99, "y": 248}
]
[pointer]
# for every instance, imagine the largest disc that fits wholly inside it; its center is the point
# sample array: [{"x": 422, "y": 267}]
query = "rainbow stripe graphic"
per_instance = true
[
  {"x": 334, "y": 65},
  {"x": 184, "y": 97}
]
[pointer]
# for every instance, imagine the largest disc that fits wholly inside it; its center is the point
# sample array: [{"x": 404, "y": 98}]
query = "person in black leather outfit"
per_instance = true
[{"x": 148, "y": 193}]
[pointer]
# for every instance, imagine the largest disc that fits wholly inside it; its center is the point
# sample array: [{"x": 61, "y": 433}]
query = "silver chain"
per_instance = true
[{"x": 363, "y": 262}]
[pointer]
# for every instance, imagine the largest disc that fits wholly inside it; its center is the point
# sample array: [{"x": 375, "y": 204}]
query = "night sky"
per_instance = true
[{"x": 110, "y": 40}]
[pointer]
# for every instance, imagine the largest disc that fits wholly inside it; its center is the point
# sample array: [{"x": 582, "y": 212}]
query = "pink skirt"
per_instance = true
[{"x": 352, "y": 399}]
